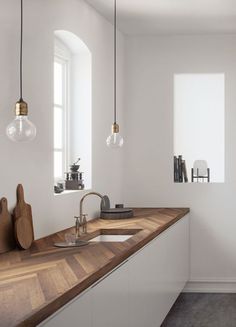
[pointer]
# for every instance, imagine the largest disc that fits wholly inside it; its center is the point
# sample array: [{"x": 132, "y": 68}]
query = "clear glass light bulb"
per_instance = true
[
  {"x": 21, "y": 129},
  {"x": 115, "y": 140}
]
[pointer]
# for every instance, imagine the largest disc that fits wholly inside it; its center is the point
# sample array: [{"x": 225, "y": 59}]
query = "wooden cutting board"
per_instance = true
[
  {"x": 23, "y": 222},
  {"x": 7, "y": 241}
]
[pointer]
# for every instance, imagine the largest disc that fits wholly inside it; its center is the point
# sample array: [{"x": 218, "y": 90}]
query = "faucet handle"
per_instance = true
[
  {"x": 84, "y": 223},
  {"x": 77, "y": 224},
  {"x": 84, "y": 218},
  {"x": 77, "y": 219}
]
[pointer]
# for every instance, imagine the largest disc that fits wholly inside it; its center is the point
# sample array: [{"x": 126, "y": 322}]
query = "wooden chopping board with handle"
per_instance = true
[
  {"x": 7, "y": 241},
  {"x": 23, "y": 222}
]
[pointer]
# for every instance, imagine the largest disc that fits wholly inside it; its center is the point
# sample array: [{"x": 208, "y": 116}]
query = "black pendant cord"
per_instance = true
[
  {"x": 115, "y": 61},
  {"x": 21, "y": 46}
]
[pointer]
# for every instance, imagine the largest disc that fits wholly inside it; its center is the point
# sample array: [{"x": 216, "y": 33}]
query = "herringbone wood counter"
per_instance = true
[{"x": 35, "y": 283}]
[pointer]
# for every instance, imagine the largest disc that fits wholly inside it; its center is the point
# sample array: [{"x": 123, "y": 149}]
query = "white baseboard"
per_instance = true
[{"x": 211, "y": 286}]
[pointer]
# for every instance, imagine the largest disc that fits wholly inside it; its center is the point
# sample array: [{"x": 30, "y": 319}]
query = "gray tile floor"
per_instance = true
[{"x": 203, "y": 310}]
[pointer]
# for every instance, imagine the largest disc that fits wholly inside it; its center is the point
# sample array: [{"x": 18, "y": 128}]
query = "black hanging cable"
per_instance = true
[
  {"x": 115, "y": 61},
  {"x": 21, "y": 45}
]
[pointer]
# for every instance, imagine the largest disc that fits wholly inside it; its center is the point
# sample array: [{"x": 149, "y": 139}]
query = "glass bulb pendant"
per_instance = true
[
  {"x": 21, "y": 129},
  {"x": 115, "y": 140}
]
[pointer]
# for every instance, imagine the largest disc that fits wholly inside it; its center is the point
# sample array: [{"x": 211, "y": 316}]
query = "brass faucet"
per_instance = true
[{"x": 82, "y": 217}]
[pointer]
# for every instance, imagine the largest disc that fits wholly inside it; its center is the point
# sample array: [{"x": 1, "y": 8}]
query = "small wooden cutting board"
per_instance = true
[
  {"x": 23, "y": 222},
  {"x": 7, "y": 241}
]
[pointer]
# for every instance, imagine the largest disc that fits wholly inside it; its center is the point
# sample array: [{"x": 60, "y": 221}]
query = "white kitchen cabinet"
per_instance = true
[
  {"x": 157, "y": 274},
  {"x": 110, "y": 302},
  {"x": 138, "y": 293},
  {"x": 105, "y": 304},
  {"x": 76, "y": 313},
  {"x": 141, "y": 292}
]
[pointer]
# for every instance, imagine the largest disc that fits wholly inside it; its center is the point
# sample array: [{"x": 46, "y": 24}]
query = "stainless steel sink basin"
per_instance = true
[{"x": 110, "y": 238}]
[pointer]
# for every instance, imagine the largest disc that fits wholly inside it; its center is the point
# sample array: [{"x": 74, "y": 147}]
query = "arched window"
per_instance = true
[
  {"x": 62, "y": 62},
  {"x": 72, "y": 105}
]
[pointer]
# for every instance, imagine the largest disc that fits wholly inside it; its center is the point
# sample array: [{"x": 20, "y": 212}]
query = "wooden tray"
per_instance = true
[
  {"x": 23, "y": 222},
  {"x": 7, "y": 241}
]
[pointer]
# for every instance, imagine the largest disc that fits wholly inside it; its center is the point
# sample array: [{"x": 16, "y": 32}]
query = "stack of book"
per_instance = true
[{"x": 180, "y": 171}]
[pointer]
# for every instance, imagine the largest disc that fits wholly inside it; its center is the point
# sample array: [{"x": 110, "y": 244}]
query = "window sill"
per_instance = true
[{"x": 66, "y": 192}]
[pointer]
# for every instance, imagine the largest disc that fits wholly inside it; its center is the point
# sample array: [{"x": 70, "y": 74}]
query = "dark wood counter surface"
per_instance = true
[{"x": 35, "y": 283}]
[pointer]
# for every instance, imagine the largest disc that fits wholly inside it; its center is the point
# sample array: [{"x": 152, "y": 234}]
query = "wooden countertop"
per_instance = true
[{"x": 35, "y": 283}]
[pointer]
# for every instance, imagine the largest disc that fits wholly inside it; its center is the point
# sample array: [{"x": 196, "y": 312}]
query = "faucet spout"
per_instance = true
[{"x": 82, "y": 201}]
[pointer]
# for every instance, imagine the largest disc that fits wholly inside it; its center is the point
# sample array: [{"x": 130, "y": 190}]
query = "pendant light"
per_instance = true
[
  {"x": 115, "y": 140},
  {"x": 21, "y": 129}
]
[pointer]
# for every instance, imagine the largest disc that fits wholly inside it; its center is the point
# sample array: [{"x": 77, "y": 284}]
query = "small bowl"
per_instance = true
[{"x": 74, "y": 168}]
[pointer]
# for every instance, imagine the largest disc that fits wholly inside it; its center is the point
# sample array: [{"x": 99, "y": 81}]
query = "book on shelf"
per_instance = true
[
  {"x": 180, "y": 171},
  {"x": 180, "y": 168},
  {"x": 184, "y": 170},
  {"x": 176, "y": 178}
]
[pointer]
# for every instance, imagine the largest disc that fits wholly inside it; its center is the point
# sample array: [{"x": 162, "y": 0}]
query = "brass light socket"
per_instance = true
[
  {"x": 21, "y": 108},
  {"x": 115, "y": 128}
]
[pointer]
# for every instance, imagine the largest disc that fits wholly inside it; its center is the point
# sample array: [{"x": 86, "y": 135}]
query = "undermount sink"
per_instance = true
[
  {"x": 110, "y": 238},
  {"x": 113, "y": 235}
]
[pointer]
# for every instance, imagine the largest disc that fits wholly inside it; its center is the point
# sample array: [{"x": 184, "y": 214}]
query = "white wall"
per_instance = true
[
  {"x": 32, "y": 164},
  {"x": 151, "y": 63}
]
